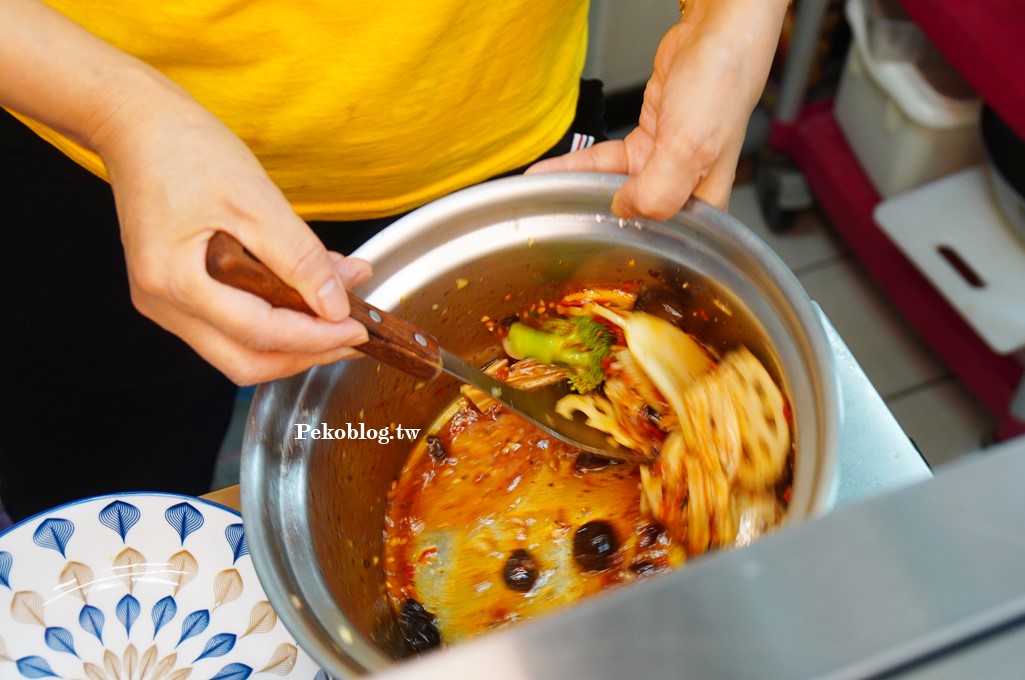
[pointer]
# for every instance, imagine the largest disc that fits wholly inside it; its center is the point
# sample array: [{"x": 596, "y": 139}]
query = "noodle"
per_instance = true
[
  {"x": 733, "y": 429},
  {"x": 492, "y": 521}
]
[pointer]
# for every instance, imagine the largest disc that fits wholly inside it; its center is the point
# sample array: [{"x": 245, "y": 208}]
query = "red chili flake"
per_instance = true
[
  {"x": 427, "y": 555},
  {"x": 409, "y": 571},
  {"x": 502, "y": 374},
  {"x": 786, "y": 494},
  {"x": 788, "y": 413}
]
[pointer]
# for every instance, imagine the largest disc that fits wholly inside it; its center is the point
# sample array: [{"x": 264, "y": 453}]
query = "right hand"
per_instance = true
[
  {"x": 709, "y": 73},
  {"x": 179, "y": 175}
]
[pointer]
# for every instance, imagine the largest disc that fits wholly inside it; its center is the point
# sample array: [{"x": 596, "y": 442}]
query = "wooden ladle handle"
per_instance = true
[{"x": 392, "y": 340}]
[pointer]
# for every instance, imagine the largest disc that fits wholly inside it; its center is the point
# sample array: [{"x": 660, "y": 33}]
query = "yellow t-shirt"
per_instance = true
[{"x": 361, "y": 109}]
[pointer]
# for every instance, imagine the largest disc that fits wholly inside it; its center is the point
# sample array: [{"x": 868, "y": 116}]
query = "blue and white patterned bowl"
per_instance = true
[{"x": 138, "y": 587}]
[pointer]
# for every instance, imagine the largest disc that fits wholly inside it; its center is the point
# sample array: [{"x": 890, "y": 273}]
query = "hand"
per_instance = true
[
  {"x": 178, "y": 176},
  {"x": 709, "y": 73}
]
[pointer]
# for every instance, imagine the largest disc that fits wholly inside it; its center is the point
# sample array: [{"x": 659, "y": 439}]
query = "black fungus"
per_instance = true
[
  {"x": 670, "y": 305},
  {"x": 594, "y": 544},
  {"x": 586, "y": 462},
  {"x": 435, "y": 448},
  {"x": 786, "y": 480},
  {"x": 652, "y": 416},
  {"x": 520, "y": 571},
  {"x": 419, "y": 627}
]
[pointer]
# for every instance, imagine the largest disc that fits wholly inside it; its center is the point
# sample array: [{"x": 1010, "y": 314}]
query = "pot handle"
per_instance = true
[{"x": 393, "y": 341}]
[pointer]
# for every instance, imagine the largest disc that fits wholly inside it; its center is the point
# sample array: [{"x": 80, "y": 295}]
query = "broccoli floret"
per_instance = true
[{"x": 579, "y": 344}]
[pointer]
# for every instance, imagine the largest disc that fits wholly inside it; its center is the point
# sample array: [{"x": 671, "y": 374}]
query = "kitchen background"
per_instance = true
[
  {"x": 908, "y": 119},
  {"x": 890, "y": 122}
]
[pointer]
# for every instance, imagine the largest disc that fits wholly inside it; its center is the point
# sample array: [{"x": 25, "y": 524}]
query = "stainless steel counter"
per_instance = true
[
  {"x": 881, "y": 583},
  {"x": 925, "y": 582},
  {"x": 875, "y": 453}
]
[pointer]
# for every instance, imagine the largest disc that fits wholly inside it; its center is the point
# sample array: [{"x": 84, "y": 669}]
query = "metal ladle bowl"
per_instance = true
[{"x": 314, "y": 509}]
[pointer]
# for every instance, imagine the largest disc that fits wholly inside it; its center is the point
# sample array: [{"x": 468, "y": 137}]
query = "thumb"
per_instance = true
[{"x": 293, "y": 252}]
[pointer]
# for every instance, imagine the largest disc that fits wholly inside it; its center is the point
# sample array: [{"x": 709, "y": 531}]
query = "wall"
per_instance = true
[{"x": 624, "y": 35}]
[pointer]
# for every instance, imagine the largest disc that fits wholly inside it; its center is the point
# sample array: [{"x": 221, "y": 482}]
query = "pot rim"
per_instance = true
[{"x": 280, "y": 582}]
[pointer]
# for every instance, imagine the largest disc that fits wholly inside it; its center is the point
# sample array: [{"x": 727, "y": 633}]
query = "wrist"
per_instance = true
[
  {"x": 690, "y": 4},
  {"x": 142, "y": 107},
  {"x": 130, "y": 100},
  {"x": 741, "y": 11}
]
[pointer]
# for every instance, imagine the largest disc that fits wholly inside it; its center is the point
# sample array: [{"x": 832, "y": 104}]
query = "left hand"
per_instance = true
[{"x": 710, "y": 70}]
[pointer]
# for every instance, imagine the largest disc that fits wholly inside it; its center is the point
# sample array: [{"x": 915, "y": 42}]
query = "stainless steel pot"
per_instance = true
[{"x": 314, "y": 509}]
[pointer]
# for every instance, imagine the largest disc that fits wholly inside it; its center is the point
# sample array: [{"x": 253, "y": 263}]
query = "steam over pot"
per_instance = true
[{"x": 314, "y": 509}]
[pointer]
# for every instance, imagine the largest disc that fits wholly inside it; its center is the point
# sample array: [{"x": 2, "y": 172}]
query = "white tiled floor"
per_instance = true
[{"x": 942, "y": 418}]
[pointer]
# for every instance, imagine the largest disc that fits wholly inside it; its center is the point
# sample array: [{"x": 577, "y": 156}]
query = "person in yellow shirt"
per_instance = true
[{"x": 299, "y": 128}]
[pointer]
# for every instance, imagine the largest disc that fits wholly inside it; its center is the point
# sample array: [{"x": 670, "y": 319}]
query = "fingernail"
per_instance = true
[
  {"x": 333, "y": 305},
  {"x": 617, "y": 205}
]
